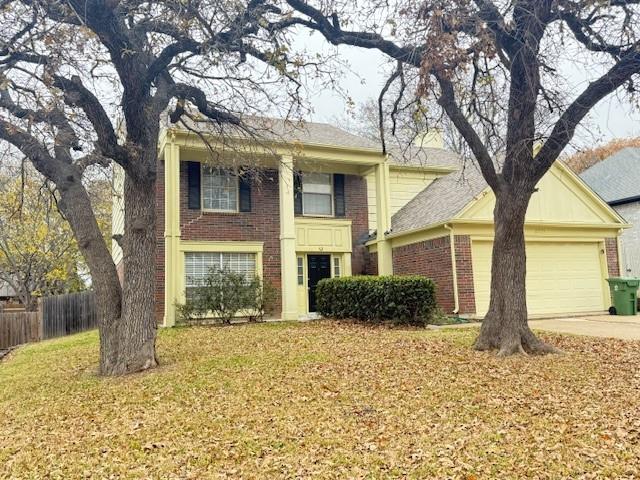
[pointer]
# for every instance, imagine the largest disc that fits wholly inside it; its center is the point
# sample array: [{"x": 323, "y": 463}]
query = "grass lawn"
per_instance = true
[{"x": 320, "y": 400}]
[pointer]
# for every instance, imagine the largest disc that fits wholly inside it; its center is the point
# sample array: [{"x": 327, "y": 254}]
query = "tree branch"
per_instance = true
[
  {"x": 566, "y": 125},
  {"x": 448, "y": 102}
]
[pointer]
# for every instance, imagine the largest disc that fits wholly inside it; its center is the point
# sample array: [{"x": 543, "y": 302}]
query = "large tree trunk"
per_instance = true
[
  {"x": 137, "y": 331},
  {"x": 76, "y": 206},
  {"x": 505, "y": 327}
]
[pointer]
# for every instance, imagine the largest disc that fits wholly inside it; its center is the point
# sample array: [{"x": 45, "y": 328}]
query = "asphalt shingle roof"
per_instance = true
[
  {"x": 280, "y": 130},
  {"x": 441, "y": 200},
  {"x": 616, "y": 177}
]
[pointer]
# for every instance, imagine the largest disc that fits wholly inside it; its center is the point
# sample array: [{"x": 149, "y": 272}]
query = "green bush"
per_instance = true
[
  {"x": 402, "y": 299},
  {"x": 223, "y": 294}
]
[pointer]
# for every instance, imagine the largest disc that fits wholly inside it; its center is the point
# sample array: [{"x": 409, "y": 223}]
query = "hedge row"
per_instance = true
[{"x": 403, "y": 299}]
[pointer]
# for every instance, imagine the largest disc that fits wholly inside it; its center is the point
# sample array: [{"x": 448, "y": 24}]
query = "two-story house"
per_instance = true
[
  {"x": 294, "y": 208},
  {"x": 308, "y": 202}
]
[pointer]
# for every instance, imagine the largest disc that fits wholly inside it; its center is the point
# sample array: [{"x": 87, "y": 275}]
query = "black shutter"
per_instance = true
[
  {"x": 338, "y": 194},
  {"x": 193, "y": 182},
  {"x": 297, "y": 193},
  {"x": 245, "y": 191}
]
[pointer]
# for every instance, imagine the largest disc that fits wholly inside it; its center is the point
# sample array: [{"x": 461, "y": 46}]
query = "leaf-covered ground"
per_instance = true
[{"x": 320, "y": 400}]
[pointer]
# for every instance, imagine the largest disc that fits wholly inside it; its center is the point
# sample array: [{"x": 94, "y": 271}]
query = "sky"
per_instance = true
[{"x": 612, "y": 118}]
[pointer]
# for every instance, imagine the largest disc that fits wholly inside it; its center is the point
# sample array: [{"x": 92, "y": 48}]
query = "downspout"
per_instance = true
[{"x": 456, "y": 300}]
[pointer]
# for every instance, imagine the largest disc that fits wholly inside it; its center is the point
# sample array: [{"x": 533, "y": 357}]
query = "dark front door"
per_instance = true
[{"x": 319, "y": 267}]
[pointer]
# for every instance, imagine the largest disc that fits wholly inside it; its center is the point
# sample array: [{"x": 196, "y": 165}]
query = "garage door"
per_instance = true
[{"x": 561, "y": 277}]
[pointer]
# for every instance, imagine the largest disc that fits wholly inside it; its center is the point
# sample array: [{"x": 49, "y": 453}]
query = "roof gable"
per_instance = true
[{"x": 561, "y": 198}]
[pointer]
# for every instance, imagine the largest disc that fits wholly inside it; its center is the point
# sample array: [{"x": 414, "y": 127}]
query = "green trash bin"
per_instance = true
[{"x": 624, "y": 295}]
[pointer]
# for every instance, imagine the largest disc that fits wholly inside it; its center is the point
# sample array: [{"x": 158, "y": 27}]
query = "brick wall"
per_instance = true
[
  {"x": 431, "y": 258},
  {"x": 611, "y": 246},
  {"x": 464, "y": 271},
  {"x": 371, "y": 263},
  {"x": 261, "y": 224},
  {"x": 355, "y": 191}
]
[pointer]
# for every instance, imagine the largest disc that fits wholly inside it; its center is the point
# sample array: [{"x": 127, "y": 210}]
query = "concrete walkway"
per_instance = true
[
  {"x": 606, "y": 326},
  {"x": 626, "y": 328}
]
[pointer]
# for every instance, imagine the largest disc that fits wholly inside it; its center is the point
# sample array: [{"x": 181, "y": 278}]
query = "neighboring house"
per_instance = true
[
  {"x": 319, "y": 202},
  {"x": 7, "y": 293},
  {"x": 617, "y": 180}
]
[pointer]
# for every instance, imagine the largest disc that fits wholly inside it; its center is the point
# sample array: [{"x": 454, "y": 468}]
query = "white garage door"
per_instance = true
[{"x": 561, "y": 277}]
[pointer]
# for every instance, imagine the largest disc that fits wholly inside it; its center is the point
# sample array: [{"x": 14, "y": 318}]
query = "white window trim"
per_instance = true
[
  {"x": 217, "y": 210},
  {"x": 333, "y": 201}
]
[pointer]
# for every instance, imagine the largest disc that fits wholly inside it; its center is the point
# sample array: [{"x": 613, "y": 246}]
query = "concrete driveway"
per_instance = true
[{"x": 626, "y": 328}]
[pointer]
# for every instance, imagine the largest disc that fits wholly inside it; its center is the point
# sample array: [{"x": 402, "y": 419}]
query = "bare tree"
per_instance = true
[
  {"x": 69, "y": 68},
  {"x": 505, "y": 57}
]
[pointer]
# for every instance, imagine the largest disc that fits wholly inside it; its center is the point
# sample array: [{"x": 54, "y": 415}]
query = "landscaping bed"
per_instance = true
[{"x": 322, "y": 400}]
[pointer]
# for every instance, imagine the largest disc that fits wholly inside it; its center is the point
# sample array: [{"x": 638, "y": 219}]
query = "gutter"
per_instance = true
[
  {"x": 623, "y": 201},
  {"x": 456, "y": 299}
]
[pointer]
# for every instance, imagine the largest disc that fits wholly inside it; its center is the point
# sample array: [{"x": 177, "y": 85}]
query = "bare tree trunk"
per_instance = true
[
  {"x": 138, "y": 326},
  {"x": 76, "y": 206},
  {"x": 505, "y": 327}
]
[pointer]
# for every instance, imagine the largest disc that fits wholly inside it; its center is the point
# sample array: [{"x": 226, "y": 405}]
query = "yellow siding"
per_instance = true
[
  {"x": 403, "y": 186},
  {"x": 560, "y": 199},
  {"x": 323, "y": 235},
  {"x": 117, "y": 212},
  {"x": 562, "y": 277}
]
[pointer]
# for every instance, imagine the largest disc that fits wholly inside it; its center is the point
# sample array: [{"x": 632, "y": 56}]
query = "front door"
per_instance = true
[{"x": 319, "y": 267}]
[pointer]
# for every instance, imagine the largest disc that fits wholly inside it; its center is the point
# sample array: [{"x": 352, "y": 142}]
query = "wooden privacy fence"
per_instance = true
[
  {"x": 68, "y": 314},
  {"x": 57, "y": 316},
  {"x": 19, "y": 328}
]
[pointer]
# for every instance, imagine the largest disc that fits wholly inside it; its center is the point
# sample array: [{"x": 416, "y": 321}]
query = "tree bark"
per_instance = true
[
  {"x": 505, "y": 327},
  {"x": 76, "y": 206},
  {"x": 137, "y": 330}
]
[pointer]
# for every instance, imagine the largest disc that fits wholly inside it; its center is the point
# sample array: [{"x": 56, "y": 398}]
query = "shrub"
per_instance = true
[
  {"x": 403, "y": 299},
  {"x": 223, "y": 295}
]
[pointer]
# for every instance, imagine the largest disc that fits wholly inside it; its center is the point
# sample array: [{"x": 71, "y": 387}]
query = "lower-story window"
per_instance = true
[
  {"x": 336, "y": 267},
  {"x": 199, "y": 264}
]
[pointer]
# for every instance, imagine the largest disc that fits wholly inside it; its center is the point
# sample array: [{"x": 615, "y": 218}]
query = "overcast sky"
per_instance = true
[{"x": 613, "y": 118}]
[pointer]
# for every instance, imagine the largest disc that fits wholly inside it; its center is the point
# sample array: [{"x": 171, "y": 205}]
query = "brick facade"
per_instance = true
[
  {"x": 464, "y": 271},
  {"x": 355, "y": 191},
  {"x": 611, "y": 246},
  {"x": 432, "y": 258},
  {"x": 262, "y": 224},
  {"x": 371, "y": 263}
]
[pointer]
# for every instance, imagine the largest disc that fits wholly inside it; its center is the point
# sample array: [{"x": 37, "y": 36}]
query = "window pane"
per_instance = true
[
  {"x": 336, "y": 266},
  {"x": 316, "y": 183},
  {"x": 300, "y": 271},
  {"x": 219, "y": 189},
  {"x": 316, "y": 204},
  {"x": 199, "y": 264}
]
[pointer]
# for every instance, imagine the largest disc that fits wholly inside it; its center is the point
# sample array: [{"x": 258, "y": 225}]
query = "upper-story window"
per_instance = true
[
  {"x": 219, "y": 189},
  {"x": 317, "y": 194}
]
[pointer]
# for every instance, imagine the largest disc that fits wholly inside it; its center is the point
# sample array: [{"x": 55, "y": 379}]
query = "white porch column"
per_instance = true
[
  {"x": 171, "y": 231},
  {"x": 287, "y": 239},
  {"x": 383, "y": 219}
]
